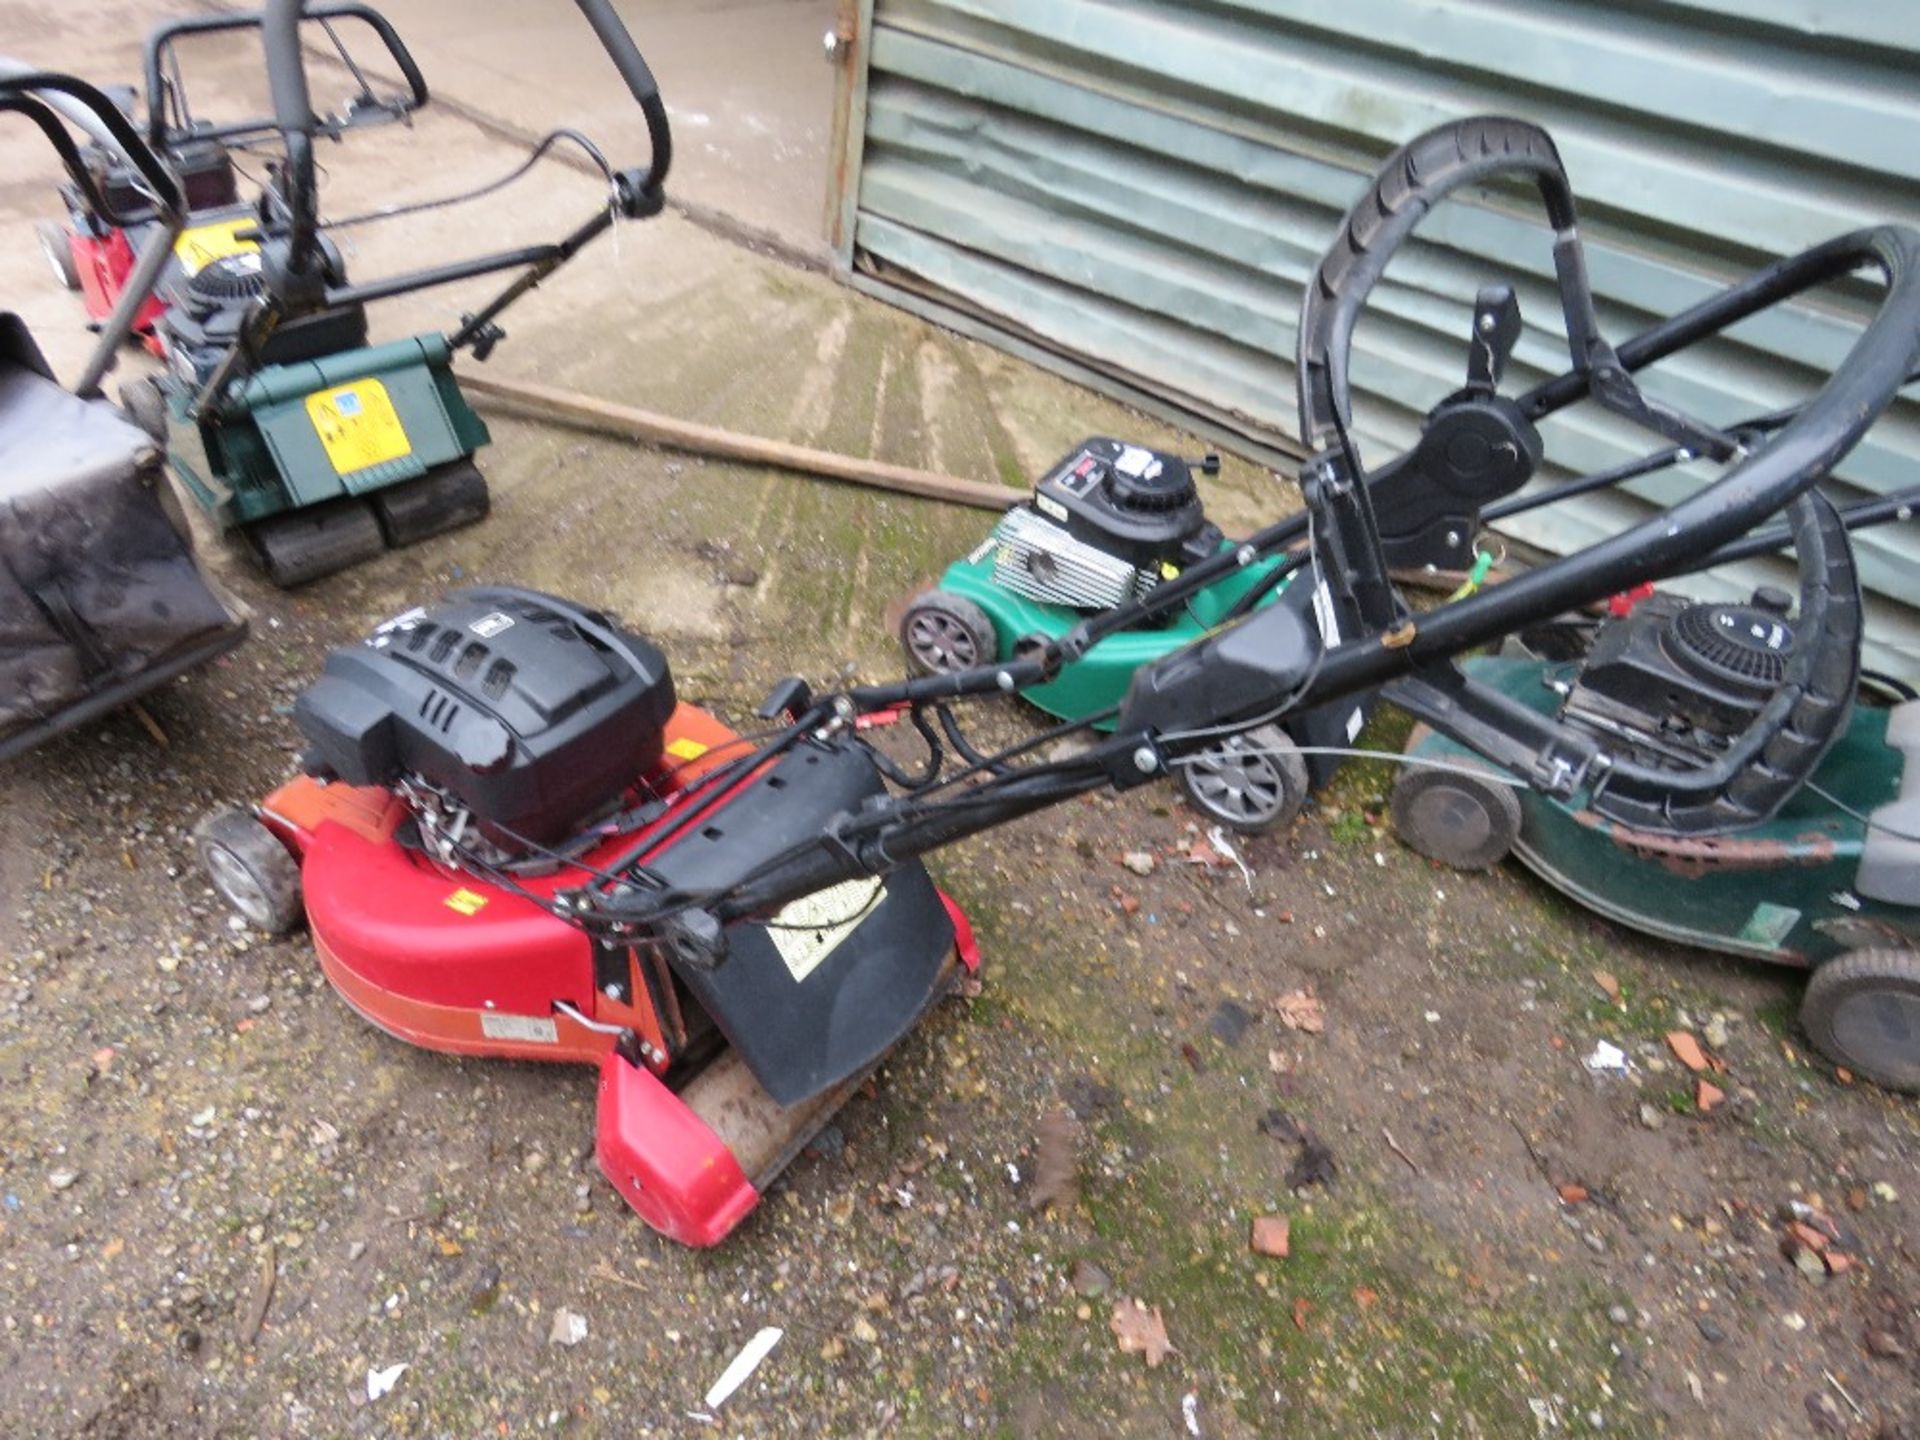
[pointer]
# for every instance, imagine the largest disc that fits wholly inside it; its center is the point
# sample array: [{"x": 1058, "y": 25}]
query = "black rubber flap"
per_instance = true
[{"x": 842, "y": 975}]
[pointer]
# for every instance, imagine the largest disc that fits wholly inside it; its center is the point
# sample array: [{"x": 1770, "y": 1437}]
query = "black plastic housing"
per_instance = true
[
  {"x": 534, "y": 712},
  {"x": 1138, "y": 504},
  {"x": 1676, "y": 667}
]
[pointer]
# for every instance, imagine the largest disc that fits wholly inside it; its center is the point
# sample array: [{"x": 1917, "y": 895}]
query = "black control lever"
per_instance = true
[{"x": 1496, "y": 330}]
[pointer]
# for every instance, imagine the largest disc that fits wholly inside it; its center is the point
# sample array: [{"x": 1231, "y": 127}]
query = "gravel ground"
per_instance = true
[{"x": 224, "y": 1200}]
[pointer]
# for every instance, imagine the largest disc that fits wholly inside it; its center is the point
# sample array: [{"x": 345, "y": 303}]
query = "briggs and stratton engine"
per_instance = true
[
  {"x": 500, "y": 714},
  {"x": 1677, "y": 679},
  {"x": 1106, "y": 525}
]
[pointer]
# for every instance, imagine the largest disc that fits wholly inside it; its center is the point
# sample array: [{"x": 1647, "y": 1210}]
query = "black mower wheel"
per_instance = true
[
  {"x": 251, "y": 870},
  {"x": 146, "y": 407},
  {"x": 1863, "y": 1011},
  {"x": 1252, "y": 782},
  {"x": 1465, "y": 821},
  {"x": 53, "y": 244},
  {"x": 304, "y": 545},
  {"x": 943, "y": 632}
]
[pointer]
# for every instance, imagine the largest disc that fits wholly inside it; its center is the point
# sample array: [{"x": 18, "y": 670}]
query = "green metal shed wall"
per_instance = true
[{"x": 1136, "y": 191}]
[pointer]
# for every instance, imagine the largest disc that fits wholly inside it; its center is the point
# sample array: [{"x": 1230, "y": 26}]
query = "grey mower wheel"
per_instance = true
[
  {"x": 252, "y": 871},
  {"x": 1863, "y": 1011},
  {"x": 1468, "y": 822},
  {"x": 943, "y": 632},
  {"x": 54, "y": 245},
  {"x": 1251, "y": 782}
]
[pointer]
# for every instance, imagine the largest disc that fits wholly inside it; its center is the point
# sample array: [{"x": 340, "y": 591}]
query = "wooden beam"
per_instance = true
[{"x": 569, "y": 407}]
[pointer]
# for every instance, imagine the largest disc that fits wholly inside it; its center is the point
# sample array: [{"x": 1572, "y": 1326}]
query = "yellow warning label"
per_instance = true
[
  {"x": 685, "y": 749},
  {"x": 358, "y": 426},
  {"x": 466, "y": 902},
  {"x": 204, "y": 244}
]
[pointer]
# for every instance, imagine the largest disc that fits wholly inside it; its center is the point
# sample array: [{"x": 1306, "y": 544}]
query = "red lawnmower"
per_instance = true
[
  {"x": 513, "y": 841},
  {"x": 95, "y": 252}
]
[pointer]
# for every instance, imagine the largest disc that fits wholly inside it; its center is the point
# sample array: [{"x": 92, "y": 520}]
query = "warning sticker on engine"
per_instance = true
[
  {"x": 358, "y": 426},
  {"x": 813, "y": 927},
  {"x": 685, "y": 749},
  {"x": 200, "y": 246},
  {"x": 465, "y": 901},
  {"x": 531, "y": 1029}
]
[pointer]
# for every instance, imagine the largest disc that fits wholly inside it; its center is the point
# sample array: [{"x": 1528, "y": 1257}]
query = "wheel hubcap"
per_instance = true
[
  {"x": 1881, "y": 1027},
  {"x": 1452, "y": 817},
  {"x": 940, "y": 642},
  {"x": 1238, "y": 783},
  {"x": 237, "y": 885}
]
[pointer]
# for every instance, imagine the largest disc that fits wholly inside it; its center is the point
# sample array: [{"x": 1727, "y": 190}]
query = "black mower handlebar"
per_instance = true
[
  {"x": 161, "y": 133},
  {"x": 295, "y": 277},
  {"x": 632, "y": 65},
  {"x": 1413, "y": 180}
]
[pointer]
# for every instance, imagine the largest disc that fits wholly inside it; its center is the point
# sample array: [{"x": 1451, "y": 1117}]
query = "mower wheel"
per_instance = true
[
  {"x": 1863, "y": 1011},
  {"x": 146, "y": 407},
  {"x": 943, "y": 632},
  {"x": 1251, "y": 782},
  {"x": 251, "y": 869},
  {"x": 1468, "y": 822},
  {"x": 59, "y": 252},
  {"x": 303, "y": 545}
]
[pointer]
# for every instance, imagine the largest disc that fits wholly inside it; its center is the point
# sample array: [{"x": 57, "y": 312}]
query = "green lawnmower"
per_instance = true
[{"x": 280, "y": 418}]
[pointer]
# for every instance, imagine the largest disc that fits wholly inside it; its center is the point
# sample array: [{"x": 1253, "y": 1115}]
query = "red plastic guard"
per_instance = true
[{"x": 664, "y": 1160}]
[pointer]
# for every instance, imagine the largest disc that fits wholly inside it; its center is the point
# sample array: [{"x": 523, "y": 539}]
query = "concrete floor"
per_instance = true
[{"x": 746, "y": 85}]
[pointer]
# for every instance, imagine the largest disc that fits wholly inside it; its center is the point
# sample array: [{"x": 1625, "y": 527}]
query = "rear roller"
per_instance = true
[
  {"x": 1863, "y": 1011},
  {"x": 443, "y": 499},
  {"x": 1466, "y": 821},
  {"x": 306, "y": 544}
]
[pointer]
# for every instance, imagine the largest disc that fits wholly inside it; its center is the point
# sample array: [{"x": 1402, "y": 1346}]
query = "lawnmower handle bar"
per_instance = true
[
  {"x": 638, "y": 195},
  {"x": 159, "y": 133},
  {"x": 1413, "y": 180}
]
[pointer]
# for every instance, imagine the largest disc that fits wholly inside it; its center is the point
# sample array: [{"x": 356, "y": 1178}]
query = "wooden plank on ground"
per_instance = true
[{"x": 608, "y": 417}]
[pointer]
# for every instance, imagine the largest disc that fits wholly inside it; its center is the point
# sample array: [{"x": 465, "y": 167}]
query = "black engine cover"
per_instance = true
[
  {"x": 1686, "y": 675},
  {"x": 533, "y": 711},
  {"x": 1138, "y": 504}
]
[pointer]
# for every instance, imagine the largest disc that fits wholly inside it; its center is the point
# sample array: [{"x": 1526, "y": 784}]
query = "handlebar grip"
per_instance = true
[
  {"x": 632, "y": 65},
  {"x": 1414, "y": 179}
]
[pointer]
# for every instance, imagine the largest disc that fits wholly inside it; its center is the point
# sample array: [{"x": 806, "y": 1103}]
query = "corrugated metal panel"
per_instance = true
[{"x": 1141, "y": 188}]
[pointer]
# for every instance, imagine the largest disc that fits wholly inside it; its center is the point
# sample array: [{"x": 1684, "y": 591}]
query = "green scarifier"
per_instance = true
[{"x": 262, "y": 455}]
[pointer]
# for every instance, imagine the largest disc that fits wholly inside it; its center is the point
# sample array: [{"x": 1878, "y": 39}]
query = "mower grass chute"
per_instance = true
[
  {"x": 100, "y": 600},
  {"x": 483, "y": 874}
]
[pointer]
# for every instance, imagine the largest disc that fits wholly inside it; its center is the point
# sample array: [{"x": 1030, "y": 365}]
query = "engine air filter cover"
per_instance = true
[
  {"x": 1740, "y": 646},
  {"x": 534, "y": 712},
  {"x": 230, "y": 278},
  {"x": 1138, "y": 505}
]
